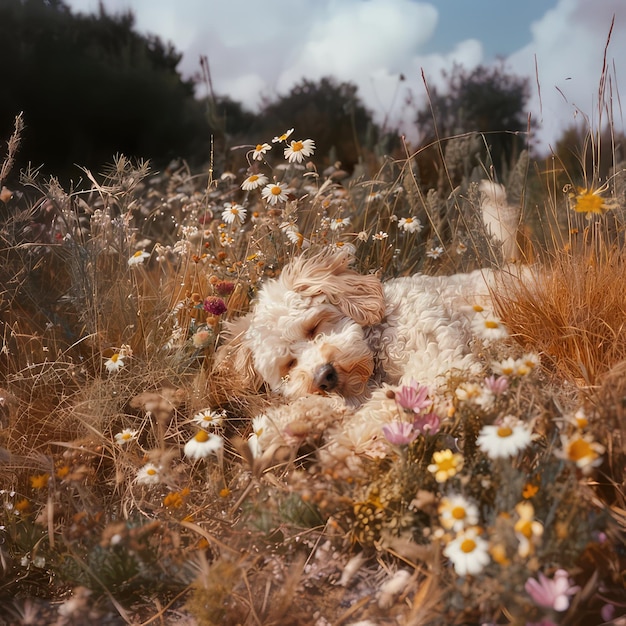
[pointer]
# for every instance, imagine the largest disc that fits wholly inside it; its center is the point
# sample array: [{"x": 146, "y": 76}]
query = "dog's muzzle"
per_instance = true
[{"x": 326, "y": 377}]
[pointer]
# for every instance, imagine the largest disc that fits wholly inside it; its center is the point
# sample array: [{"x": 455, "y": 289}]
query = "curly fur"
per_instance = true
[{"x": 321, "y": 328}]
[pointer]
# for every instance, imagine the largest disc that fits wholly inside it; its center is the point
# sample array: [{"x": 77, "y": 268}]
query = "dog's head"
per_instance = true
[{"x": 305, "y": 333}]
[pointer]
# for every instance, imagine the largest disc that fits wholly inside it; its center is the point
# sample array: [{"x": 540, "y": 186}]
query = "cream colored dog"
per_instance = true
[{"x": 323, "y": 328}]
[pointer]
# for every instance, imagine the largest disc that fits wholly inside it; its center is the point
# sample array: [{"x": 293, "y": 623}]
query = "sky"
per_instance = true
[{"x": 262, "y": 49}]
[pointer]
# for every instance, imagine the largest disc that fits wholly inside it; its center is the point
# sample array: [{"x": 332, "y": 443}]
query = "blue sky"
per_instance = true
[{"x": 263, "y": 49}]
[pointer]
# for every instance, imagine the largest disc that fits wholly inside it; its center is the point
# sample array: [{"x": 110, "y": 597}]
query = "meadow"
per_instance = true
[{"x": 141, "y": 486}]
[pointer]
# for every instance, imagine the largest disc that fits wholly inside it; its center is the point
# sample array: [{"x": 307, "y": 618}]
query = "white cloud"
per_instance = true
[{"x": 568, "y": 44}]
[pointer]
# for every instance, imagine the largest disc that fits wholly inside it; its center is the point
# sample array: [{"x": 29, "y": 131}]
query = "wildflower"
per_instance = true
[
  {"x": 149, "y": 474},
  {"x": 373, "y": 196},
  {"x": 399, "y": 433},
  {"x": 203, "y": 444},
  {"x": 427, "y": 423},
  {"x": 445, "y": 465},
  {"x": 201, "y": 338},
  {"x": 507, "y": 367},
  {"x": 456, "y": 513},
  {"x": 583, "y": 450},
  {"x": 590, "y": 201},
  {"x": 468, "y": 392},
  {"x": 208, "y": 418},
  {"x": 413, "y": 397},
  {"x": 233, "y": 212},
  {"x": 410, "y": 225},
  {"x": 253, "y": 182},
  {"x": 489, "y": 327},
  {"x": 283, "y": 137},
  {"x": 294, "y": 235},
  {"x": 126, "y": 436},
  {"x": 275, "y": 193},
  {"x": 39, "y": 481},
  {"x": 530, "y": 361},
  {"x": 380, "y": 236},
  {"x": 298, "y": 150},
  {"x": 259, "y": 151},
  {"x": 551, "y": 594},
  {"x": 115, "y": 363},
  {"x": 435, "y": 252},
  {"x": 527, "y": 530},
  {"x": 461, "y": 248},
  {"x": 468, "y": 552},
  {"x": 138, "y": 258},
  {"x": 175, "y": 499},
  {"x": 339, "y": 222},
  {"x": 259, "y": 424},
  {"x": 497, "y": 386},
  {"x": 504, "y": 440},
  {"x": 214, "y": 305}
]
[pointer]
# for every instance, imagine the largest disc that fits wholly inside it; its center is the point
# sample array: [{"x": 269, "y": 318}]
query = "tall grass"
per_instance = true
[{"x": 340, "y": 526}]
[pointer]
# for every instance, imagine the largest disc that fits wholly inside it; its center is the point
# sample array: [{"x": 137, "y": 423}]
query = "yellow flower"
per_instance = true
[
  {"x": 39, "y": 481},
  {"x": 445, "y": 465},
  {"x": 590, "y": 201}
]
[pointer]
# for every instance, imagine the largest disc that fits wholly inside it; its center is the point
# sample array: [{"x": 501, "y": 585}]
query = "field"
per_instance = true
[{"x": 142, "y": 486}]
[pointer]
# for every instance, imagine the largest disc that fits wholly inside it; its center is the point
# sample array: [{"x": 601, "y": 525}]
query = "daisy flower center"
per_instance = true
[
  {"x": 491, "y": 324},
  {"x": 580, "y": 449},
  {"x": 126, "y": 436},
  {"x": 468, "y": 545},
  {"x": 504, "y": 431},
  {"x": 253, "y": 178},
  {"x": 259, "y": 147},
  {"x": 296, "y": 146},
  {"x": 201, "y": 436},
  {"x": 116, "y": 356},
  {"x": 151, "y": 471},
  {"x": 458, "y": 512},
  {"x": 276, "y": 190},
  {"x": 137, "y": 254},
  {"x": 588, "y": 202}
]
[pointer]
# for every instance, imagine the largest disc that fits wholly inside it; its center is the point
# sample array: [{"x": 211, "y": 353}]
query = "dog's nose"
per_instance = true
[{"x": 326, "y": 377}]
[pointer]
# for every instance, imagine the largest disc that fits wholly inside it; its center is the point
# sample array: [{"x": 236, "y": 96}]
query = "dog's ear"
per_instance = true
[
  {"x": 233, "y": 359},
  {"x": 357, "y": 296}
]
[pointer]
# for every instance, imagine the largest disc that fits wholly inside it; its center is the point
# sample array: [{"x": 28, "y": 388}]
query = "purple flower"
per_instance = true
[
  {"x": 551, "y": 594},
  {"x": 399, "y": 433},
  {"x": 497, "y": 386},
  {"x": 214, "y": 306},
  {"x": 427, "y": 424},
  {"x": 413, "y": 397}
]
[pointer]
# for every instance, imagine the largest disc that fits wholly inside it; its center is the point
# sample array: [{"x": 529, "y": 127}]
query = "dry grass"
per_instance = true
[{"x": 341, "y": 527}]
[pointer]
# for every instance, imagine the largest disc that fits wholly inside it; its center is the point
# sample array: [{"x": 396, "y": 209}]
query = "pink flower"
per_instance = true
[
  {"x": 413, "y": 397},
  {"x": 551, "y": 594},
  {"x": 497, "y": 386},
  {"x": 399, "y": 433},
  {"x": 427, "y": 424}
]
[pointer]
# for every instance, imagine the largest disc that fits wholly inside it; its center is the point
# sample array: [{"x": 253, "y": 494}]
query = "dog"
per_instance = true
[{"x": 323, "y": 328}]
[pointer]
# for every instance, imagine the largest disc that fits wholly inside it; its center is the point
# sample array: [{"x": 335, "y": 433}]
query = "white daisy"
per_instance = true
[
  {"x": 504, "y": 440},
  {"x": 233, "y": 212},
  {"x": 582, "y": 450},
  {"x": 435, "y": 252},
  {"x": 410, "y": 225},
  {"x": 283, "y": 137},
  {"x": 149, "y": 474},
  {"x": 115, "y": 363},
  {"x": 138, "y": 258},
  {"x": 259, "y": 425},
  {"x": 298, "y": 150},
  {"x": 468, "y": 552},
  {"x": 126, "y": 436},
  {"x": 253, "y": 182},
  {"x": 380, "y": 235},
  {"x": 208, "y": 418},
  {"x": 260, "y": 150},
  {"x": 456, "y": 513},
  {"x": 338, "y": 223},
  {"x": 274, "y": 193},
  {"x": 507, "y": 367},
  {"x": 489, "y": 327},
  {"x": 203, "y": 444}
]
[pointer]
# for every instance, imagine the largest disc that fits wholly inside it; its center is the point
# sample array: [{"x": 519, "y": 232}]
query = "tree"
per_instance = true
[
  {"x": 329, "y": 112},
  {"x": 91, "y": 87},
  {"x": 486, "y": 100}
]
